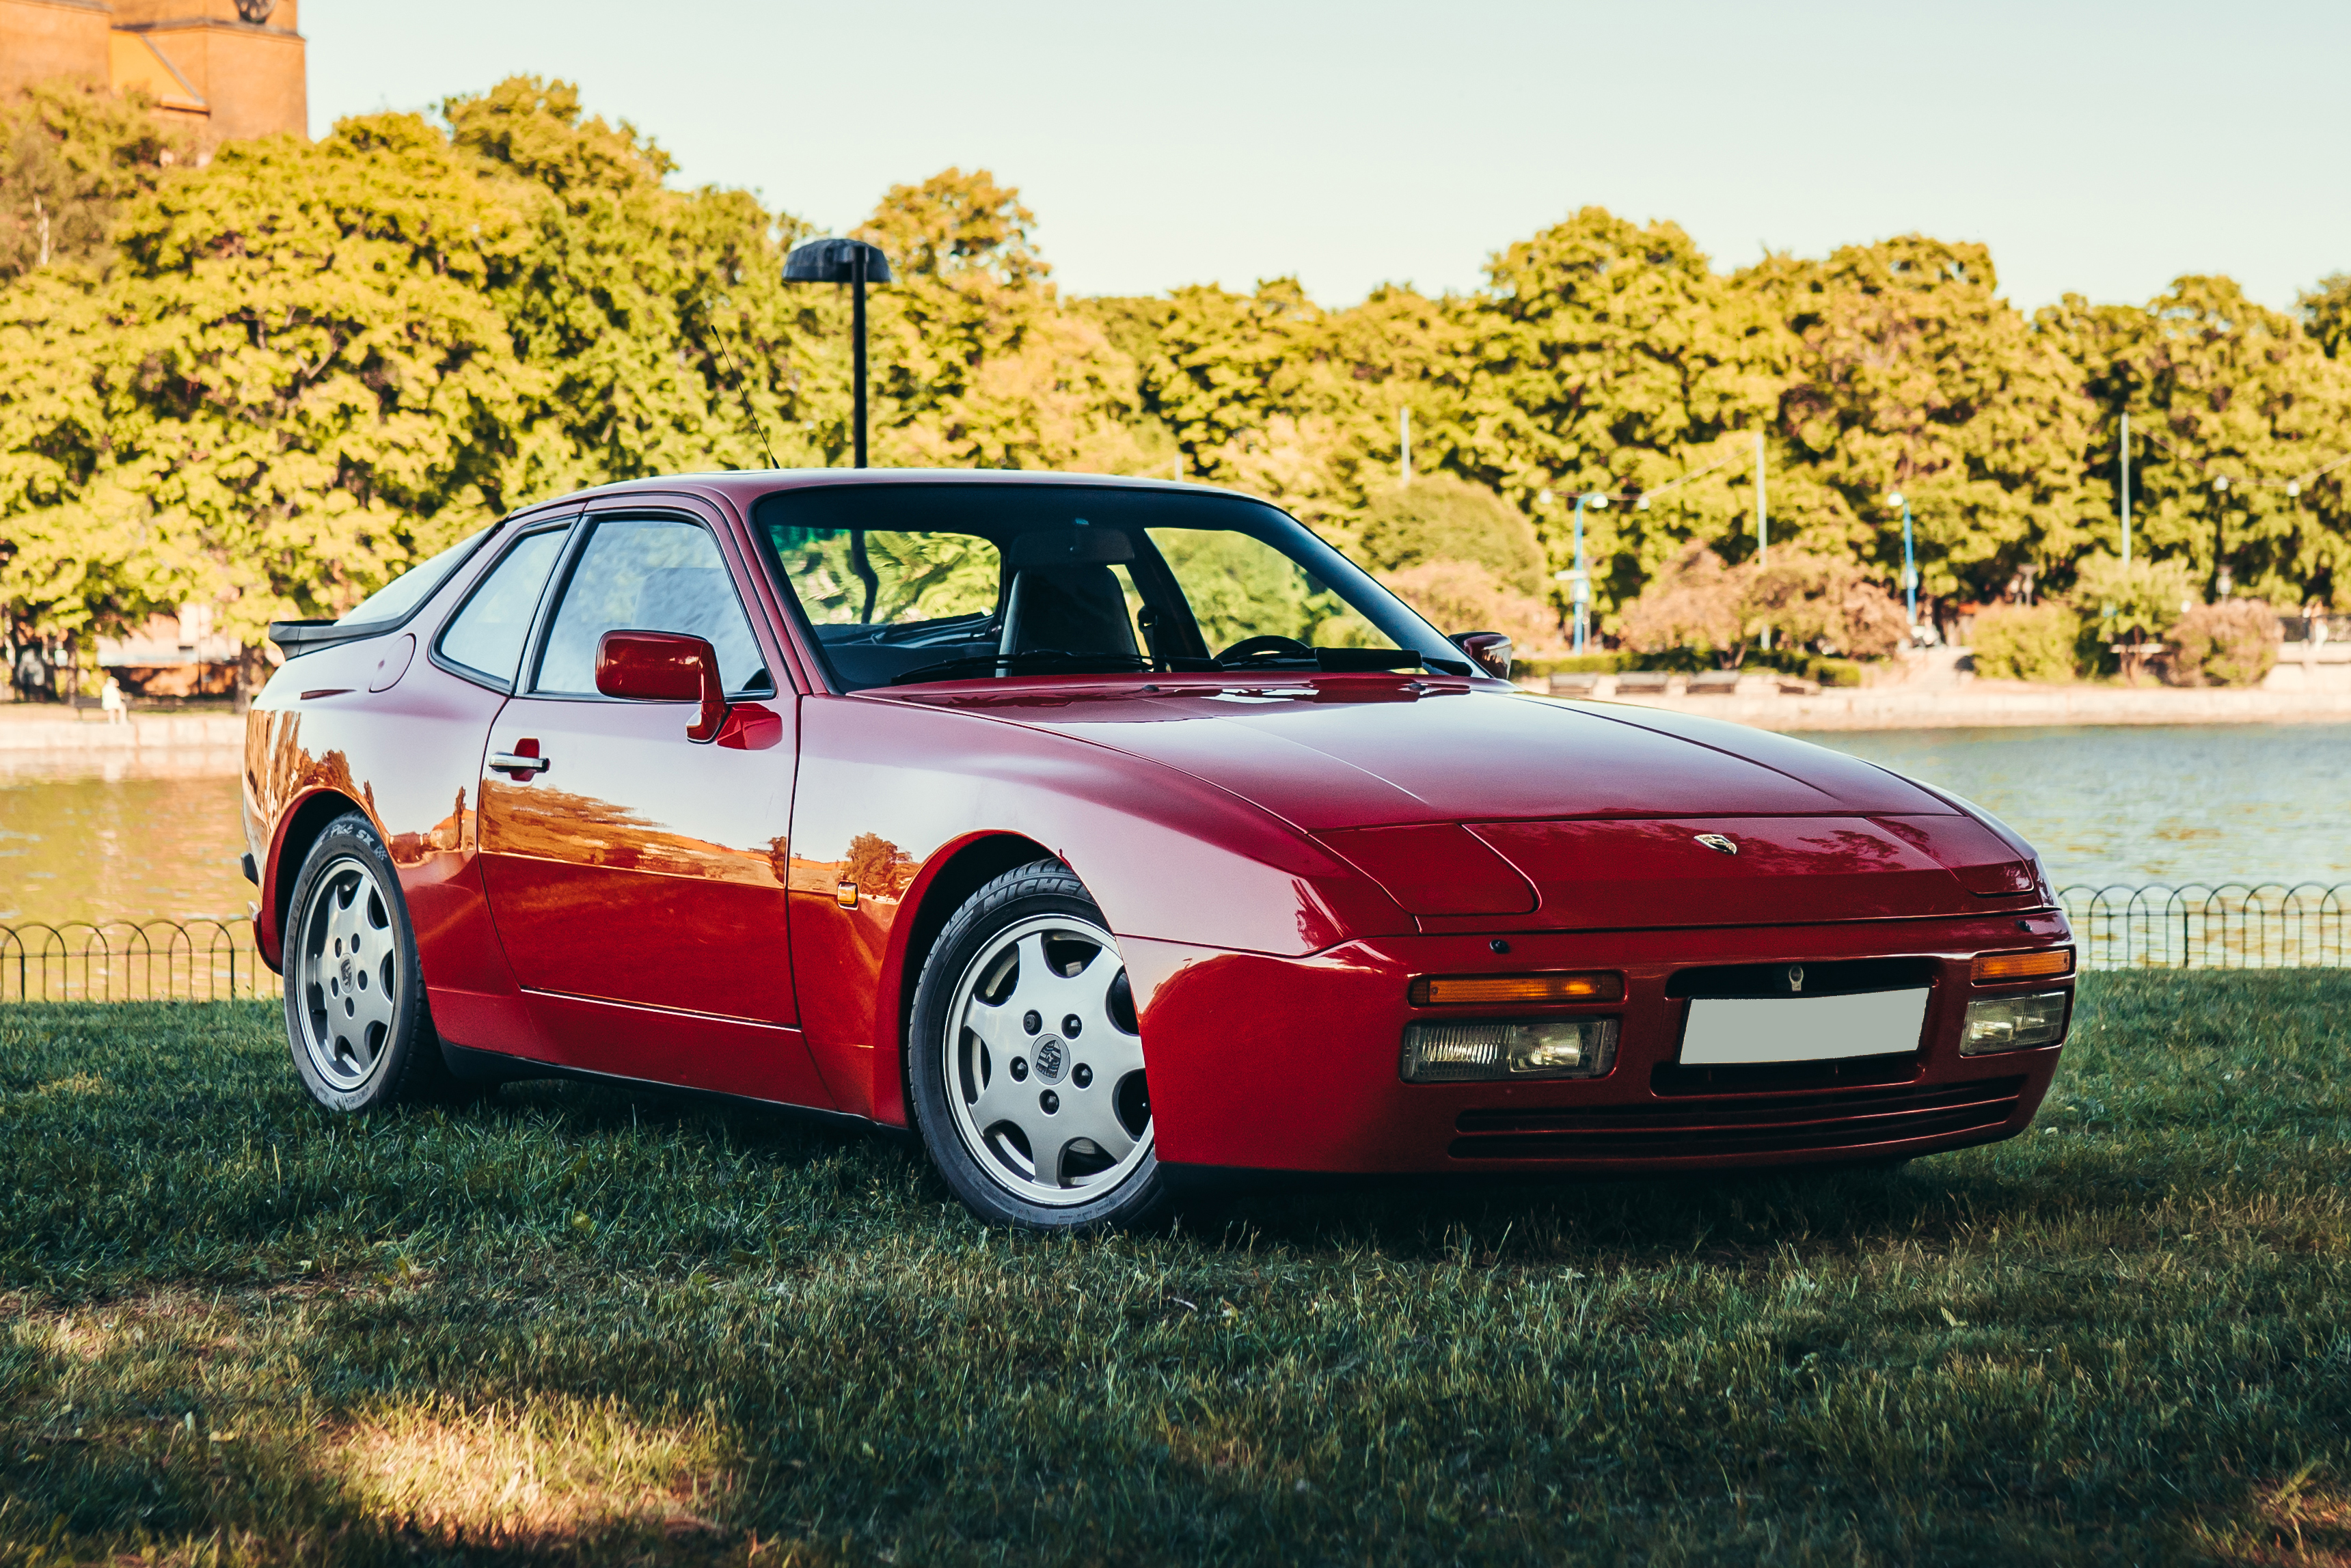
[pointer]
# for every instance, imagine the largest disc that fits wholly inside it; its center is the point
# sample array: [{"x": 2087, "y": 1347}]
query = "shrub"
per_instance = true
[
  {"x": 2022, "y": 643},
  {"x": 1807, "y": 598},
  {"x": 1543, "y": 665},
  {"x": 1441, "y": 518},
  {"x": 1698, "y": 605},
  {"x": 2132, "y": 605},
  {"x": 1464, "y": 596},
  {"x": 2233, "y": 643},
  {"x": 1836, "y": 671},
  {"x": 1692, "y": 603}
]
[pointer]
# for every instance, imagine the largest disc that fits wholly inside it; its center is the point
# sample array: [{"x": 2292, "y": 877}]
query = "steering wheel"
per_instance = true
[{"x": 1250, "y": 647}]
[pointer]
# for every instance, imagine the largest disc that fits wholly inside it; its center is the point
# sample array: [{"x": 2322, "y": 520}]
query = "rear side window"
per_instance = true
[
  {"x": 487, "y": 635},
  {"x": 649, "y": 573},
  {"x": 396, "y": 598}
]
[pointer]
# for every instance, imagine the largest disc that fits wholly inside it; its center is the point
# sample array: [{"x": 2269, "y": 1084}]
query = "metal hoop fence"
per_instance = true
[
  {"x": 2230, "y": 925},
  {"x": 132, "y": 961}
]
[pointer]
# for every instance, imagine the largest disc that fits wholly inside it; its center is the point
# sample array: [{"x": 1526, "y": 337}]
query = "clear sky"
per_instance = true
[{"x": 2097, "y": 149}]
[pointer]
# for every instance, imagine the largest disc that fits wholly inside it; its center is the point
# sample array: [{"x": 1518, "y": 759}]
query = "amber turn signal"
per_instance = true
[
  {"x": 1994, "y": 967},
  {"x": 845, "y": 895},
  {"x": 1500, "y": 990}
]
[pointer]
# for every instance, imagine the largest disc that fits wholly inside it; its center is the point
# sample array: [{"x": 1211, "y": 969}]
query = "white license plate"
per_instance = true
[{"x": 1730, "y": 1029}]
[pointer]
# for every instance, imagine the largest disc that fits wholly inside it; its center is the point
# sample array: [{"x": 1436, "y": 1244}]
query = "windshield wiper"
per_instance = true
[
  {"x": 1052, "y": 657},
  {"x": 1335, "y": 661}
]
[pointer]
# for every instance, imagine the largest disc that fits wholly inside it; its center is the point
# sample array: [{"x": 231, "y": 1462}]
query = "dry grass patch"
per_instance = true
[
  {"x": 554, "y": 1472},
  {"x": 2298, "y": 1525}
]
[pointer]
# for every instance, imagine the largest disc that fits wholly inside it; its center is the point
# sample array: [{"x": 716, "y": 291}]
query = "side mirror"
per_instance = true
[
  {"x": 664, "y": 667},
  {"x": 1490, "y": 650}
]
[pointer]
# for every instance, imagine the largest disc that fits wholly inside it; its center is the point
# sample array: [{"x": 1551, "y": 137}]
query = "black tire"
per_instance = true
[
  {"x": 354, "y": 1052},
  {"x": 1044, "y": 899}
]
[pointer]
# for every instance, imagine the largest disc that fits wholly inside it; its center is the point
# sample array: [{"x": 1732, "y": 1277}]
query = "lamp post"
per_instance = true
[
  {"x": 2126, "y": 489},
  {"x": 1579, "y": 582},
  {"x": 2221, "y": 536},
  {"x": 857, "y": 263},
  {"x": 1909, "y": 564}
]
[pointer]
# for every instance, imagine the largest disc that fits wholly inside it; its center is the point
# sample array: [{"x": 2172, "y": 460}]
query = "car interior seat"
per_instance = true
[{"x": 1073, "y": 608}]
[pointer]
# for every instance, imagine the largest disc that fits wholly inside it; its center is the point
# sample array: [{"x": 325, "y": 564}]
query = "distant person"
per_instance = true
[{"x": 110, "y": 698}]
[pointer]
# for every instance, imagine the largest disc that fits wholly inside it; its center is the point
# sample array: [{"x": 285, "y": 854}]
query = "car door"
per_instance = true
[{"x": 636, "y": 877}]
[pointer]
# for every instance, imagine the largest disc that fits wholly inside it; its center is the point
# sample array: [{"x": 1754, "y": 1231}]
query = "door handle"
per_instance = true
[{"x": 520, "y": 764}]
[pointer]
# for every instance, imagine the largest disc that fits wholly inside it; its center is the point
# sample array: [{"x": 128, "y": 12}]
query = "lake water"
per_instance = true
[
  {"x": 2174, "y": 804},
  {"x": 2209, "y": 804}
]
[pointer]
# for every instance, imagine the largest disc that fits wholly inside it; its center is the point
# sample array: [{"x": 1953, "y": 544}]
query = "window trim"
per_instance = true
[
  {"x": 560, "y": 584},
  {"x": 483, "y": 677}
]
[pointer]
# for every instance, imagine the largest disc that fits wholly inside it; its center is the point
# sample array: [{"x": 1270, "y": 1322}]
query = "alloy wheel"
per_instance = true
[
  {"x": 1044, "y": 1061},
  {"x": 350, "y": 974}
]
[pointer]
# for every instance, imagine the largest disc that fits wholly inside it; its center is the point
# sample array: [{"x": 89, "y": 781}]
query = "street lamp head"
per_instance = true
[
  {"x": 1542, "y": 497},
  {"x": 2292, "y": 488},
  {"x": 835, "y": 261},
  {"x": 1642, "y": 503},
  {"x": 2221, "y": 482},
  {"x": 1894, "y": 498},
  {"x": 1598, "y": 501}
]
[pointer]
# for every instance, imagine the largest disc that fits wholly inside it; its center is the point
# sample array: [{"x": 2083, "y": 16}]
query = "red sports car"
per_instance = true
[{"x": 1099, "y": 830}]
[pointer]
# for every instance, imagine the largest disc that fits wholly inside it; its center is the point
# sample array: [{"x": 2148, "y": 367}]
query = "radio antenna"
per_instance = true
[{"x": 744, "y": 391}]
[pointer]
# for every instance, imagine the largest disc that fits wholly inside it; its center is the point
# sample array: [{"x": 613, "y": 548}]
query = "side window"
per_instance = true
[
  {"x": 649, "y": 573},
  {"x": 487, "y": 635}
]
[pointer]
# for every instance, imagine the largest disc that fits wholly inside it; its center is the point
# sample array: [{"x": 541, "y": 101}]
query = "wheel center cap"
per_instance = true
[
  {"x": 1051, "y": 1058},
  {"x": 347, "y": 973}
]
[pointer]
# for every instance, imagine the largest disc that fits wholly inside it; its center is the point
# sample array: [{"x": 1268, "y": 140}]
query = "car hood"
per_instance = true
[
  {"x": 1362, "y": 752},
  {"x": 1465, "y": 802}
]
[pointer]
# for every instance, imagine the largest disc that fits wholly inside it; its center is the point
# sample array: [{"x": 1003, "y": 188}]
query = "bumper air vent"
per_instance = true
[{"x": 1747, "y": 1125}]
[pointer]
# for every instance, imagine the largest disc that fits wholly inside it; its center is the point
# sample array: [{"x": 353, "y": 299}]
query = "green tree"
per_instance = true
[
  {"x": 1441, "y": 518},
  {"x": 2230, "y": 404},
  {"x": 293, "y": 386},
  {"x": 976, "y": 363},
  {"x": 1610, "y": 357},
  {"x": 2326, "y": 313},
  {"x": 650, "y": 315},
  {"x": 1909, "y": 372},
  {"x": 71, "y": 154}
]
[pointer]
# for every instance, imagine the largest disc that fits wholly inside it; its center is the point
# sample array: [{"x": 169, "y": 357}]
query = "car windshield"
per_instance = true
[{"x": 905, "y": 582}]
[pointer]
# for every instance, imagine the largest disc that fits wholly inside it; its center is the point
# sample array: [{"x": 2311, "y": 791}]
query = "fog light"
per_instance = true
[
  {"x": 2013, "y": 1023},
  {"x": 1527, "y": 1048}
]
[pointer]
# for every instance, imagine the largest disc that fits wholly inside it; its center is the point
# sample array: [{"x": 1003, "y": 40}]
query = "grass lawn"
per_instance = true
[{"x": 566, "y": 1324}]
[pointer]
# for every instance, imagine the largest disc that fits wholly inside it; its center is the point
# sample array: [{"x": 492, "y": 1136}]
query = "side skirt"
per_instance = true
[{"x": 473, "y": 1067}]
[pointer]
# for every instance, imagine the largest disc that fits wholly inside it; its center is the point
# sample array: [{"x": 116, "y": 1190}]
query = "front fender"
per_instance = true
[{"x": 889, "y": 791}]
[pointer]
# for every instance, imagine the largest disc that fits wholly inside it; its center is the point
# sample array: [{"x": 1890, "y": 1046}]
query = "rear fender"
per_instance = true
[{"x": 298, "y": 829}]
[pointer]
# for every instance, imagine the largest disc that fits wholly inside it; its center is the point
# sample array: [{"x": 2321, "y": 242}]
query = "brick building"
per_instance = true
[{"x": 226, "y": 70}]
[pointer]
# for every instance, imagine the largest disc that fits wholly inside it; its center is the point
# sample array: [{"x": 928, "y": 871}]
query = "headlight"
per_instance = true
[
  {"x": 1526, "y": 1048},
  {"x": 2013, "y": 1023}
]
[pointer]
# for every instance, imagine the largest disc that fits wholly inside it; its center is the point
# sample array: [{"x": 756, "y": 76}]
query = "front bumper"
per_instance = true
[{"x": 1278, "y": 1063}]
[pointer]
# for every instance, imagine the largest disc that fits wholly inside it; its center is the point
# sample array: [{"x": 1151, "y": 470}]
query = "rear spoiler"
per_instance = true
[{"x": 298, "y": 638}]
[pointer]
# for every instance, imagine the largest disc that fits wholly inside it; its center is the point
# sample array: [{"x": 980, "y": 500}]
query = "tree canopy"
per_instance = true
[{"x": 270, "y": 382}]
